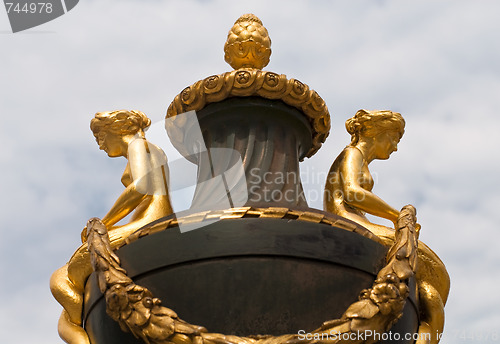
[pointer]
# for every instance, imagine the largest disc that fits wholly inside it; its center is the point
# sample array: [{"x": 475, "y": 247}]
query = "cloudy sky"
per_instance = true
[{"x": 436, "y": 62}]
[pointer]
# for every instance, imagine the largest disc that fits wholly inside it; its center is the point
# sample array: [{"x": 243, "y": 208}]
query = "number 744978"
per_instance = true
[{"x": 34, "y": 7}]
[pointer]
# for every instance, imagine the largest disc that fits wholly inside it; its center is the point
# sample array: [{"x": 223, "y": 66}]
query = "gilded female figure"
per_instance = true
[
  {"x": 348, "y": 193},
  {"x": 121, "y": 133},
  {"x": 118, "y": 133}
]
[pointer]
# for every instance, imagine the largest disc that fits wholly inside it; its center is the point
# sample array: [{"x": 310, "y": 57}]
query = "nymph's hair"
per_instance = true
[
  {"x": 121, "y": 122},
  {"x": 371, "y": 123}
]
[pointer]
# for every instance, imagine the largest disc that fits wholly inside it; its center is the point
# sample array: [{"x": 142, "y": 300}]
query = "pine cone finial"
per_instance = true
[{"x": 248, "y": 44}]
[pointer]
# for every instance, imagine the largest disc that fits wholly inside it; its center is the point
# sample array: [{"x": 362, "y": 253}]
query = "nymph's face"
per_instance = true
[
  {"x": 111, "y": 144},
  {"x": 385, "y": 143}
]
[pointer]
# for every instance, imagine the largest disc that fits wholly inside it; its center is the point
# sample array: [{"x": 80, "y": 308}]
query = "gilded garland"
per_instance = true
[
  {"x": 139, "y": 312},
  {"x": 253, "y": 82}
]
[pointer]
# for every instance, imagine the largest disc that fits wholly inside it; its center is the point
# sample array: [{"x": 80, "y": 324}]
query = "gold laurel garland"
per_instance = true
[
  {"x": 245, "y": 82},
  {"x": 138, "y": 312},
  {"x": 68, "y": 283},
  {"x": 250, "y": 212}
]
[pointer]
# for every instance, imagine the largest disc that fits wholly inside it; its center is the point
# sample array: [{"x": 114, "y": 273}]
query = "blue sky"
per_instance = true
[{"x": 436, "y": 62}]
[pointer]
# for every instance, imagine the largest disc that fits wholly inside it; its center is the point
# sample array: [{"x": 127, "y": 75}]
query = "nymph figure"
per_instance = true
[
  {"x": 118, "y": 133},
  {"x": 121, "y": 133},
  {"x": 348, "y": 193}
]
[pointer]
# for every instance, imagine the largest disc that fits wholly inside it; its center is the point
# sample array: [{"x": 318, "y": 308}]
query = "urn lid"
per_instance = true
[{"x": 248, "y": 50}]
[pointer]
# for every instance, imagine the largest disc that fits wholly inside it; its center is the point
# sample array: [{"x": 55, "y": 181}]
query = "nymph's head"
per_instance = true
[
  {"x": 114, "y": 129},
  {"x": 383, "y": 128}
]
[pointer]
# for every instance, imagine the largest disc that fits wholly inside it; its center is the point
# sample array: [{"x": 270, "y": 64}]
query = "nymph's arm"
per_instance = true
[
  {"x": 358, "y": 197},
  {"x": 124, "y": 205},
  {"x": 135, "y": 192}
]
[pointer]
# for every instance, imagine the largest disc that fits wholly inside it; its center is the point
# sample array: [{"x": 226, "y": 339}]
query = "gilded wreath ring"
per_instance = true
[
  {"x": 246, "y": 82},
  {"x": 137, "y": 311}
]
